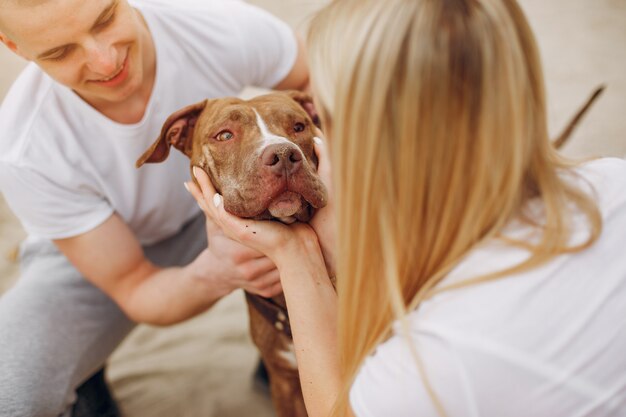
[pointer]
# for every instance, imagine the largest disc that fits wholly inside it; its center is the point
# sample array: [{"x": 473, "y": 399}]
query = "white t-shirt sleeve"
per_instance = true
[
  {"x": 48, "y": 209},
  {"x": 268, "y": 46},
  {"x": 231, "y": 44}
]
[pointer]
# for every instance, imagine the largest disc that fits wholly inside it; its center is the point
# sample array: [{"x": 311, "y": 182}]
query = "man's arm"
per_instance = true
[
  {"x": 111, "y": 258},
  {"x": 298, "y": 77}
]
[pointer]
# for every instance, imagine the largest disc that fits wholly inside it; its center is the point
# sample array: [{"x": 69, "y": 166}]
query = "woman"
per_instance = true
[{"x": 478, "y": 271}]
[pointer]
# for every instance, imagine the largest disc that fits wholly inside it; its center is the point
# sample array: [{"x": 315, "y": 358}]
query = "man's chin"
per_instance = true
[{"x": 98, "y": 96}]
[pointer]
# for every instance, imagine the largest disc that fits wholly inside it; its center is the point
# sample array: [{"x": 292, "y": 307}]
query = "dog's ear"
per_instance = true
[
  {"x": 306, "y": 102},
  {"x": 178, "y": 131}
]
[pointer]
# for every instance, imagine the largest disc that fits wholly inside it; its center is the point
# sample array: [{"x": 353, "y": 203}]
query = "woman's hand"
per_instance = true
[
  {"x": 279, "y": 242},
  {"x": 311, "y": 298}
]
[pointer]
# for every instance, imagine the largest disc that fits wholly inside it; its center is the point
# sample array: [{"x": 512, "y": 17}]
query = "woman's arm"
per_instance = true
[
  {"x": 312, "y": 304},
  {"x": 311, "y": 298}
]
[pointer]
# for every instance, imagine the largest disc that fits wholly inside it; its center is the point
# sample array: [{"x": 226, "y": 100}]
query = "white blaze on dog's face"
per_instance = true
[
  {"x": 270, "y": 151},
  {"x": 258, "y": 153}
]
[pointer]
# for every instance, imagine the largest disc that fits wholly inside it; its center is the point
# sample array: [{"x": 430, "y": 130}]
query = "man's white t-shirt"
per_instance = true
[
  {"x": 549, "y": 342},
  {"x": 65, "y": 168}
]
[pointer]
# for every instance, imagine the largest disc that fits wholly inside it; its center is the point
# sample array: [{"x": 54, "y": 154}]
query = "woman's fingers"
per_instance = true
[
  {"x": 264, "y": 236},
  {"x": 205, "y": 193},
  {"x": 234, "y": 227},
  {"x": 320, "y": 151},
  {"x": 212, "y": 227},
  {"x": 212, "y": 201},
  {"x": 323, "y": 167},
  {"x": 197, "y": 194},
  {"x": 203, "y": 179}
]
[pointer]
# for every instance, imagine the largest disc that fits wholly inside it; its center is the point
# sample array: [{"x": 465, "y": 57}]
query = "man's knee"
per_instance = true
[
  {"x": 45, "y": 327},
  {"x": 27, "y": 384},
  {"x": 26, "y": 394}
]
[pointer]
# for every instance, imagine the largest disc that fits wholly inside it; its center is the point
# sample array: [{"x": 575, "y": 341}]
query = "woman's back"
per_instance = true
[{"x": 549, "y": 341}]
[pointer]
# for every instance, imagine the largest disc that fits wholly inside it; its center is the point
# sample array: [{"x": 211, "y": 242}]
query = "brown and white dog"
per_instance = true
[{"x": 260, "y": 157}]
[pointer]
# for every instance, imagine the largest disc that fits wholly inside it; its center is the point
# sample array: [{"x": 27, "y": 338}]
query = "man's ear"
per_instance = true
[
  {"x": 178, "y": 131},
  {"x": 306, "y": 102},
  {"x": 10, "y": 44}
]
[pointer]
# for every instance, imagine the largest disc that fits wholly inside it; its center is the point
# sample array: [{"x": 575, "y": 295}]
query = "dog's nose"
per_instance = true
[{"x": 282, "y": 158}]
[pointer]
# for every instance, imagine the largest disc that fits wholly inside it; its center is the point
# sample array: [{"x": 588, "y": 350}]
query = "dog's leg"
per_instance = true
[{"x": 276, "y": 349}]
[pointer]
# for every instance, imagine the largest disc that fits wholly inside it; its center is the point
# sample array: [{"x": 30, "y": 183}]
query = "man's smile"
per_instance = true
[{"x": 116, "y": 78}]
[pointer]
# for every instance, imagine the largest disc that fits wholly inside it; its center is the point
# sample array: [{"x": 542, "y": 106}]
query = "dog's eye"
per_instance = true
[
  {"x": 298, "y": 127},
  {"x": 225, "y": 135}
]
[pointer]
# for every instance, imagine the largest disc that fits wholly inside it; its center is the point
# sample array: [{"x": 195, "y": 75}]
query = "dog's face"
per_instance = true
[{"x": 258, "y": 153}]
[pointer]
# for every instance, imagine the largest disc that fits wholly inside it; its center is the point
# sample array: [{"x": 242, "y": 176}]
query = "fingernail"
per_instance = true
[
  {"x": 186, "y": 186},
  {"x": 195, "y": 171},
  {"x": 317, "y": 140},
  {"x": 217, "y": 199}
]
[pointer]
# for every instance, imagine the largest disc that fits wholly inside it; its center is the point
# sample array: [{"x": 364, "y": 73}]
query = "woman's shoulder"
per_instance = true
[
  {"x": 605, "y": 178},
  {"x": 572, "y": 278},
  {"x": 606, "y": 164},
  {"x": 603, "y": 172}
]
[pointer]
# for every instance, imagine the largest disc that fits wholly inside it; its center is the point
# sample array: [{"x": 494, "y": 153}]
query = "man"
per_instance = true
[{"x": 110, "y": 245}]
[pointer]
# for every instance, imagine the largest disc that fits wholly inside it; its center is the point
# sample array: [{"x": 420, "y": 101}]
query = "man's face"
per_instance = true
[{"x": 98, "y": 48}]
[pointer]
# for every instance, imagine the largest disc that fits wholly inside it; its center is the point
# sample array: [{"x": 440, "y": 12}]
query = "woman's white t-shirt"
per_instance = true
[{"x": 549, "y": 342}]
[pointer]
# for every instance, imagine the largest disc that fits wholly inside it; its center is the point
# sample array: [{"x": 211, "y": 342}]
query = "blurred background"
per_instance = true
[{"x": 204, "y": 367}]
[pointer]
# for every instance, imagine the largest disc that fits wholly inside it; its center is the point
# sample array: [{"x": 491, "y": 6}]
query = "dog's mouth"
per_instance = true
[
  {"x": 286, "y": 204},
  {"x": 287, "y": 199}
]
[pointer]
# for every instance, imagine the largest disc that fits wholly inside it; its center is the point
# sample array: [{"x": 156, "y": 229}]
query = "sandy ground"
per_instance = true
[{"x": 203, "y": 367}]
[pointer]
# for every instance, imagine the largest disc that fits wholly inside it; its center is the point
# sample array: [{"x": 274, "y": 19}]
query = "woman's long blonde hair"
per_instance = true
[{"x": 438, "y": 137}]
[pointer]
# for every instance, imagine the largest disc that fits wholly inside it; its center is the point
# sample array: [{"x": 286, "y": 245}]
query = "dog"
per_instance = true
[{"x": 260, "y": 156}]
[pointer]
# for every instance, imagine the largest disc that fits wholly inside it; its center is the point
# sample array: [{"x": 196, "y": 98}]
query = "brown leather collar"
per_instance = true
[{"x": 275, "y": 314}]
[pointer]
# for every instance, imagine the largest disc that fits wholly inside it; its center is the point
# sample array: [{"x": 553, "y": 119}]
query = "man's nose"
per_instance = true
[
  {"x": 282, "y": 159},
  {"x": 101, "y": 58}
]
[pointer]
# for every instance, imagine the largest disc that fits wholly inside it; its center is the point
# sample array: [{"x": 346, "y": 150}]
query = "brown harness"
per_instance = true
[{"x": 271, "y": 311}]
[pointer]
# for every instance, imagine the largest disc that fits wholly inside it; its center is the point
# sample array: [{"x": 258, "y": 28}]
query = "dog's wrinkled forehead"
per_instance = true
[
  {"x": 277, "y": 105},
  {"x": 270, "y": 129},
  {"x": 260, "y": 120},
  {"x": 270, "y": 116}
]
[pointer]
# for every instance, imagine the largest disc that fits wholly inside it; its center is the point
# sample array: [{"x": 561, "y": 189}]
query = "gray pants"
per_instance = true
[{"x": 57, "y": 329}]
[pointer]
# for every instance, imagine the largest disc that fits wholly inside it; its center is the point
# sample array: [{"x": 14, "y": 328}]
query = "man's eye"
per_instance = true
[
  {"x": 298, "y": 127},
  {"x": 58, "y": 55},
  {"x": 225, "y": 135}
]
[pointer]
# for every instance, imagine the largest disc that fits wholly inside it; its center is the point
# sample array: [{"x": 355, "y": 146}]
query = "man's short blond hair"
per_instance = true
[{"x": 7, "y": 5}]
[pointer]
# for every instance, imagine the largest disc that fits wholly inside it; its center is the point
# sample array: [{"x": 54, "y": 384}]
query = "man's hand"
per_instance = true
[{"x": 229, "y": 265}]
